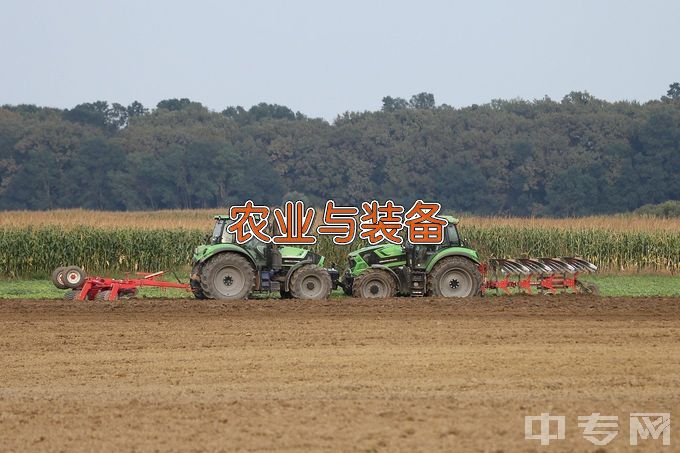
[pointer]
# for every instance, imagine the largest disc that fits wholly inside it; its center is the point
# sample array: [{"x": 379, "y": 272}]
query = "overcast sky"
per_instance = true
[{"x": 324, "y": 58}]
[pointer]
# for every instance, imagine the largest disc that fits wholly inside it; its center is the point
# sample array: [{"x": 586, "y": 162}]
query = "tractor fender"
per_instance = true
[
  {"x": 453, "y": 251},
  {"x": 286, "y": 284},
  {"x": 385, "y": 268}
]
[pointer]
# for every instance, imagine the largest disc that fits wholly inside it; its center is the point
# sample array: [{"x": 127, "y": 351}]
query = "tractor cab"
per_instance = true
[
  {"x": 418, "y": 256},
  {"x": 262, "y": 254},
  {"x": 220, "y": 235}
]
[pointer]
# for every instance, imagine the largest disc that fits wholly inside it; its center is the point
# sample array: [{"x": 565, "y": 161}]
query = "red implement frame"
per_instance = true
[
  {"x": 95, "y": 285},
  {"x": 527, "y": 283}
]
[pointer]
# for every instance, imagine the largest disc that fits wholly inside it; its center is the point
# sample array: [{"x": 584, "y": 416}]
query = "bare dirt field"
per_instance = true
[{"x": 338, "y": 375}]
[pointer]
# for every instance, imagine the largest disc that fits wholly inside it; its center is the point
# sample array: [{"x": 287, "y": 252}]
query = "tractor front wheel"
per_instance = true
[
  {"x": 227, "y": 276},
  {"x": 374, "y": 283},
  {"x": 454, "y": 277},
  {"x": 310, "y": 282}
]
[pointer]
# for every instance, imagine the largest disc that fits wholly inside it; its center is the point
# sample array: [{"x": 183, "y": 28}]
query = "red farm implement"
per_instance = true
[
  {"x": 104, "y": 288},
  {"x": 541, "y": 275}
]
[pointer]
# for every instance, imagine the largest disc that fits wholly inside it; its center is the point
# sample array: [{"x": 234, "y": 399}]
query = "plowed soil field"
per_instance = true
[{"x": 338, "y": 375}]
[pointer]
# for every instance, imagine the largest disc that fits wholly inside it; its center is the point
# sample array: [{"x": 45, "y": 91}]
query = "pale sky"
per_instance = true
[{"x": 324, "y": 58}]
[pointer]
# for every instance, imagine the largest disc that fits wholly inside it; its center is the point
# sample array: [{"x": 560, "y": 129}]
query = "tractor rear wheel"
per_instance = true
[
  {"x": 454, "y": 277},
  {"x": 58, "y": 278},
  {"x": 227, "y": 276},
  {"x": 71, "y": 295},
  {"x": 310, "y": 282},
  {"x": 374, "y": 283}
]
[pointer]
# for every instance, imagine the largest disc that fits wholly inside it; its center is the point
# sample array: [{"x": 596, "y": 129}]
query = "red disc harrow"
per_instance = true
[{"x": 104, "y": 288}]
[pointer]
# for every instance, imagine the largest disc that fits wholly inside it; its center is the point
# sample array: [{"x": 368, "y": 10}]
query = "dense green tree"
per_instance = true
[
  {"x": 667, "y": 209},
  {"x": 391, "y": 104},
  {"x": 261, "y": 112},
  {"x": 92, "y": 113},
  {"x": 422, "y": 101},
  {"x": 94, "y": 161},
  {"x": 674, "y": 91},
  {"x": 174, "y": 104},
  {"x": 582, "y": 155},
  {"x": 256, "y": 180},
  {"x": 136, "y": 109}
]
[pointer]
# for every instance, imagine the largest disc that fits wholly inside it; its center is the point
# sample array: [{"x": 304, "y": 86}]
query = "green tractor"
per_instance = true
[
  {"x": 223, "y": 269},
  {"x": 449, "y": 269}
]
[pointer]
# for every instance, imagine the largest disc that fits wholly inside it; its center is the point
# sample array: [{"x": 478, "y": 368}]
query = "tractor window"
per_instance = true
[
  {"x": 220, "y": 234},
  {"x": 216, "y": 237},
  {"x": 227, "y": 237},
  {"x": 454, "y": 239}
]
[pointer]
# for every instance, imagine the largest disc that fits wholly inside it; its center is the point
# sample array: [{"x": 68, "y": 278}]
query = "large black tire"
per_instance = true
[
  {"x": 71, "y": 295},
  {"x": 58, "y": 277},
  {"x": 310, "y": 282},
  {"x": 285, "y": 294},
  {"x": 74, "y": 277},
  {"x": 454, "y": 277},
  {"x": 227, "y": 276},
  {"x": 195, "y": 284},
  {"x": 374, "y": 283}
]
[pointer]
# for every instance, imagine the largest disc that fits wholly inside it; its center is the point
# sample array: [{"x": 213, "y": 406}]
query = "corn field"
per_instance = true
[
  {"x": 202, "y": 219},
  {"x": 612, "y": 251},
  {"x": 35, "y": 252},
  {"x": 32, "y": 252}
]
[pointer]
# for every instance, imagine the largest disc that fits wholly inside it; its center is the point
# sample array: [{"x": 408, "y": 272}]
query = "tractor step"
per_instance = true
[{"x": 418, "y": 283}]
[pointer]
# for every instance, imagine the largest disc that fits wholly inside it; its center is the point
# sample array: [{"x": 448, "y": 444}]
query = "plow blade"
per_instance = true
[
  {"x": 526, "y": 275},
  {"x": 580, "y": 265}
]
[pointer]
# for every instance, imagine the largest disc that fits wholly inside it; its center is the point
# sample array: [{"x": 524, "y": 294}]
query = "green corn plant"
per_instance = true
[{"x": 32, "y": 252}]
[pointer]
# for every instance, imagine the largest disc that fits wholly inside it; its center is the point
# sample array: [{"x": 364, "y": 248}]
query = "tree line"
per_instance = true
[{"x": 577, "y": 156}]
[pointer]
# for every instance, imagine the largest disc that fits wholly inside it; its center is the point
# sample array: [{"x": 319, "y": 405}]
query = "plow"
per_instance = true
[{"x": 542, "y": 275}]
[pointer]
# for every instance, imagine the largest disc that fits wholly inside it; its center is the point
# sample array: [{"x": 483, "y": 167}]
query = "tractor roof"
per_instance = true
[{"x": 451, "y": 219}]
